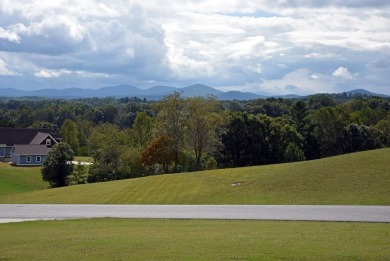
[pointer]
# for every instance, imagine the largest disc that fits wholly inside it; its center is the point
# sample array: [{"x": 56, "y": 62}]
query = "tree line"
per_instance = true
[{"x": 130, "y": 137}]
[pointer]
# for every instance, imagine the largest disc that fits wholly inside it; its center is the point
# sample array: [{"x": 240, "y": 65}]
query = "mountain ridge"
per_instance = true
[
  {"x": 365, "y": 92},
  {"x": 124, "y": 90},
  {"x": 153, "y": 93}
]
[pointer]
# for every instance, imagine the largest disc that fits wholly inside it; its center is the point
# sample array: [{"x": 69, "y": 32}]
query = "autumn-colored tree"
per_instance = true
[{"x": 161, "y": 150}]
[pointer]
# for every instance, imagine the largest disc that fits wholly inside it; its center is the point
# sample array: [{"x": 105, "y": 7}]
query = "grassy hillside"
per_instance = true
[
  {"x": 360, "y": 178},
  {"x": 16, "y": 180}
]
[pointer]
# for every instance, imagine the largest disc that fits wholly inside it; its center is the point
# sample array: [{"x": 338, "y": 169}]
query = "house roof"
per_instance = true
[
  {"x": 12, "y": 136},
  {"x": 55, "y": 136},
  {"x": 40, "y": 137},
  {"x": 33, "y": 149}
]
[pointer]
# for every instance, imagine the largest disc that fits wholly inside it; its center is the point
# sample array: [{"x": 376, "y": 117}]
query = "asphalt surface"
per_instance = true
[{"x": 21, "y": 212}]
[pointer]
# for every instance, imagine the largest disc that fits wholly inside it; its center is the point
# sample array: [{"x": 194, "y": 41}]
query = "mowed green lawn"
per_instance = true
[
  {"x": 16, "y": 180},
  {"x": 354, "y": 179},
  {"x": 360, "y": 178},
  {"x": 83, "y": 159},
  {"x": 132, "y": 239}
]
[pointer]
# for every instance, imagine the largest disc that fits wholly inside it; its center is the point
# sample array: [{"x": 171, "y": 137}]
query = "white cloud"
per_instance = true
[
  {"x": 4, "y": 70},
  {"x": 343, "y": 73},
  {"x": 51, "y": 73},
  {"x": 247, "y": 44},
  {"x": 64, "y": 72},
  {"x": 9, "y": 35},
  {"x": 302, "y": 81},
  {"x": 314, "y": 76},
  {"x": 321, "y": 55}
]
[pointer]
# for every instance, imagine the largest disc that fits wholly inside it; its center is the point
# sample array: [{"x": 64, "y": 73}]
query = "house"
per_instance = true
[
  {"x": 4, "y": 150},
  {"x": 29, "y": 137},
  {"x": 28, "y": 155}
]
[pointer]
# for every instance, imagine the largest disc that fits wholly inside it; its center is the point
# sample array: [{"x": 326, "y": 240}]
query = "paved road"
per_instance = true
[{"x": 20, "y": 212}]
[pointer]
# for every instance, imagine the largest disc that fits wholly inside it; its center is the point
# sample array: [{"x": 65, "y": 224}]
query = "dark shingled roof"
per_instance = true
[
  {"x": 12, "y": 136},
  {"x": 30, "y": 149}
]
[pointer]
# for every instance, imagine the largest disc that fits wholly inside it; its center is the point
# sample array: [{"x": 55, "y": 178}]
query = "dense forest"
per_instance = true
[{"x": 130, "y": 137}]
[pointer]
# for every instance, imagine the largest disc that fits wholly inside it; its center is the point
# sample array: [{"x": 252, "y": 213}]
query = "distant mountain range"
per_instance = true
[
  {"x": 365, "y": 93},
  {"x": 154, "y": 93},
  {"x": 120, "y": 91}
]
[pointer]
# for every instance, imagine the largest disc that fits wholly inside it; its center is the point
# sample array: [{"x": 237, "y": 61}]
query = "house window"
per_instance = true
[
  {"x": 38, "y": 158},
  {"x": 48, "y": 142},
  {"x": 28, "y": 159}
]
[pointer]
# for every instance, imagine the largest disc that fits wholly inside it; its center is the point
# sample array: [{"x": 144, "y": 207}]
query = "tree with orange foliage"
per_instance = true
[{"x": 160, "y": 151}]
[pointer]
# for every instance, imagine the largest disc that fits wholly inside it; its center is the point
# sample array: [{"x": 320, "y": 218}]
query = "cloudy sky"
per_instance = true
[{"x": 262, "y": 46}]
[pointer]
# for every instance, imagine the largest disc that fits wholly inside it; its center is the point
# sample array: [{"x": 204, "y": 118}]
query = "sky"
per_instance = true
[{"x": 261, "y": 46}]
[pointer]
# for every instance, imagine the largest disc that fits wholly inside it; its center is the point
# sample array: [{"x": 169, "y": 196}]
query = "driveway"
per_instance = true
[{"x": 20, "y": 212}]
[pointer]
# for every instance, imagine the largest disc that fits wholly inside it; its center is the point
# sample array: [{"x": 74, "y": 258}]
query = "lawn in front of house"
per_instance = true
[{"x": 14, "y": 180}]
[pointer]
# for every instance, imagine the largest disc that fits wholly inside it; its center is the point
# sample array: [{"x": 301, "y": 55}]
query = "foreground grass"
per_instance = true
[
  {"x": 15, "y": 180},
  {"x": 121, "y": 239},
  {"x": 355, "y": 179}
]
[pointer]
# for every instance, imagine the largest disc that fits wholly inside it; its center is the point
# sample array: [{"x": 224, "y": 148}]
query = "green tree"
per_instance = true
[
  {"x": 6, "y": 120},
  {"x": 171, "y": 122},
  {"x": 96, "y": 116},
  {"x": 244, "y": 141},
  {"x": 130, "y": 165},
  {"x": 282, "y": 134},
  {"x": 106, "y": 144},
  {"x": 327, "y": 130},
  {"x": 384, "y": 127},
  {"x": 85, "y": 130},
  {"x": 79, "y": 173},
  {"x": 69, "y": 134},
  {"x": 293, "y": 153},
  {"x": 65, "y": 111},
  {"x": 48, "y": 114},
  {"x": 299, "y": 113},
  {"x": 110, "y": 112},
  {"x": 357, "y": 138},
  {"x": 142, "y": 129},
  {"x": 203, "y": 119},
  {"x": 46, "y": 125},
  {"x": 319, "y": 101},
  {"x": 368, "y": 116},
  {"x": 24, "y": 117},
  {"x": 57, "y": 167}
]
